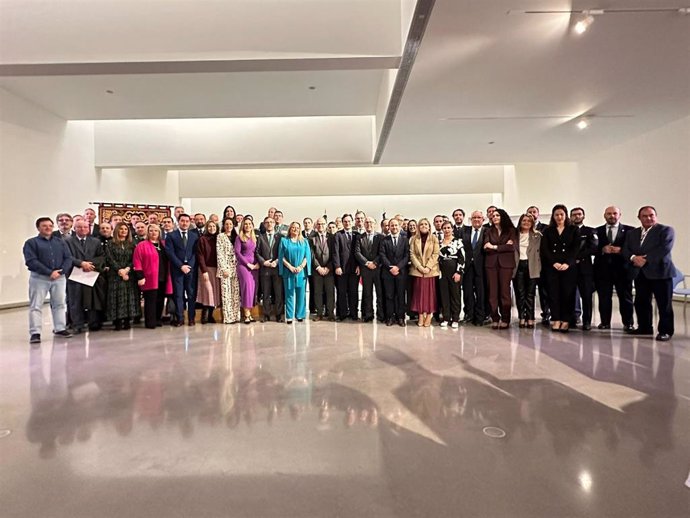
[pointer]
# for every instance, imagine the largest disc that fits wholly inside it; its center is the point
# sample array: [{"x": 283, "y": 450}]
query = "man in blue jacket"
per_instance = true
[
  {"x": 49, "y": 260},
  {"x": 181, "y": 249},
  {"x": 648, "y": 248}
]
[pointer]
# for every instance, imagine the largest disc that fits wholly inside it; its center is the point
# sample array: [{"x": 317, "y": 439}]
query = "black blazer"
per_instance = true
[
  {"x": 322, "y": 255},
  {"x": 474, "y": 257},
  {"x": 92, "y": 251},
  {"x": 560, "y": 248},
  {"x": 459, "y": 232},
  {"x": 264, "y": 252},
  {"x": 390, "y": 255},
  {"x": 589, "y": 241},
  {"x": 56, "y": 233},
  {"x": 657, "y": 247},
  {"x": 604, "y": 261},
  {"x": 343, "y": 256},
  {"x": 365, "y": 251}
]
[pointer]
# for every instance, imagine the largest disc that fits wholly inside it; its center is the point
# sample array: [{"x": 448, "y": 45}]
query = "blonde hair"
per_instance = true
[
  {"x": 299, "y": 230},
  {"x": 243, "y": 235}
]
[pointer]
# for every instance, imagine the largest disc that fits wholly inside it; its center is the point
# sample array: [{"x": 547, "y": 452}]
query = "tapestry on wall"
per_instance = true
[{"x": 107, "y": 210}]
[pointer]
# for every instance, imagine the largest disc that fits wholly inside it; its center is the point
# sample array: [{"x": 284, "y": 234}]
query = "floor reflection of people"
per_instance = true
[{"x": 245, "y": 381}]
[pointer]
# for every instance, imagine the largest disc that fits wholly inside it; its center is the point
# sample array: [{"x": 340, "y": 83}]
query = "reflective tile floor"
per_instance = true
[{"x": 326, "y": 420}]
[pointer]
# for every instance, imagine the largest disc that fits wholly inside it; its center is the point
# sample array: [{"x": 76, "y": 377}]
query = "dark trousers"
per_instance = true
[
  {"x": 561, "y": 293},
  {"x": 394, "y": 288},
  {"x": 449, "y": 292},
  {"x": 324, "y": 286},
  {"x": 184, "y": 292},
  {"x": 272, "y": 294},
  {"x": 542, "y": 286},
  {"x": 473, "y": 285},
  {"x": 312, "y": 300},
  {"x": 585, "y": 291},
  {"x": 605, "y": 282},
  {"x": 500, "y": 302},
  {"x": 78, "y": 316},
  {"x": 348, "y": 294},
  {"x": 662, "y": 290},
  {"x": 371, "y": 281},
  {"x": 525, "y": 290},
  {"x": 153, "y": 305}
]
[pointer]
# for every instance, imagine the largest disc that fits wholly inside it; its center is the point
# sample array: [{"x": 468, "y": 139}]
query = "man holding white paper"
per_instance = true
[{"x": 85, "y": 303}]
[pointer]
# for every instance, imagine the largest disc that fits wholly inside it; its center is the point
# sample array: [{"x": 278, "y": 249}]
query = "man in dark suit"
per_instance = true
[
  {"x": 542, "y": 288},
  {"x": 473, "y": 281},
  {"x": 346, "y": 271},
  {"x": 367, "y": 256},
  {"x": 322, "y": 245},
  {"x": 86, "y": 303},
  {"x": 267, "y": 246},
  {"x": 394, "y": 254},
  {"x": 90, "y": 217},
  {"x": 648, "y": 248},
  {"x": 585, "y": 271},
  {"x": 64, "y": 223},
  {"x": 611, "y": 270},
  {"x": 459, "y": 229},
  {"x": 199, "y": 223},
  {"x": 181, "y": 249}
]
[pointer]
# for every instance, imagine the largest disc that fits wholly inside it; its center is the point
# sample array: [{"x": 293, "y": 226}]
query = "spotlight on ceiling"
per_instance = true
[
  {"x": 587, "y": 19},
  {"x": 582, "y": 124}
]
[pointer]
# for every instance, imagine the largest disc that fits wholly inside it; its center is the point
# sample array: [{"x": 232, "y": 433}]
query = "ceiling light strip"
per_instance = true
[
  {"x": 604, "y": 11},
  {"x": 422, "y": 14}
]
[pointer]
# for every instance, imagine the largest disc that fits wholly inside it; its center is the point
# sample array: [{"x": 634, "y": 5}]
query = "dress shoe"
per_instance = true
[
  {"x": 288, "y": 322},
  {"x": 390, "y": 322},
  {"x": 35, "y": 339},
  {"x": 338, "y": 319},
  {"x": 300, "y": 320},
  {"x": 211, "y": 320},
  {"x": 663, "y": 337},
  {"x": 280, "y": 319},
  {"x": 628, "y": 328},
  {"x": 191, "y": 323},
  {"x": 64, "y": 333},
  {"x": 331, "y": 319},
  {"x": 607, "y": 326},
  {"x": 401, "y": 322},
  {"x": 264, "y": 318},
  {"x": 175, "y": 323},
  {"x": 317, "y": 318},
  {"x": 368, "y": 319},
  {"x": 586, "y": 327},
  {"x": 354, "y": 319}
]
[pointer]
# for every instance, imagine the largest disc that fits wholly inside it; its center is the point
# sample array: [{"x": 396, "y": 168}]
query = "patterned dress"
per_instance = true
[
  {"x": 229, "y": 286},
  {"x": 123, "y": 296}
]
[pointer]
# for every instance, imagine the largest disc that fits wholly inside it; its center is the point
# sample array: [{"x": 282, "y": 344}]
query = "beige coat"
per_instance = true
[
  {"x": 427, "y": 258},
  {"x": 533, "y": 256}
]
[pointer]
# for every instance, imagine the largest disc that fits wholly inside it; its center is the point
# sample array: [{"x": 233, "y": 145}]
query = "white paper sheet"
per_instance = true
[{"x": 82, "y": 277}]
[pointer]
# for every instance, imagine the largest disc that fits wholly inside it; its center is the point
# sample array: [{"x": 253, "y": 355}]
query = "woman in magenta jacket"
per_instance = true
[{"x": 153, "y": 275}]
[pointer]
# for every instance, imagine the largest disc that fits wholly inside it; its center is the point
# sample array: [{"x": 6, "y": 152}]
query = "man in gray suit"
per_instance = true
[
  {"x": 267, "y": 246},
  {"x": 84, "y": 303},
  {"x": 322, "y": 271}
]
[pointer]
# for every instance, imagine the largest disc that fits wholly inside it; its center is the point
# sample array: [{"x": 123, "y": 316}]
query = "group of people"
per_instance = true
[{"x": 408, "y": 269}]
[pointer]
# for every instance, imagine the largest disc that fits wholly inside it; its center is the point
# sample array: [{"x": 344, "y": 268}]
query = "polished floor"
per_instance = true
[{"x": 347, "y": 420}]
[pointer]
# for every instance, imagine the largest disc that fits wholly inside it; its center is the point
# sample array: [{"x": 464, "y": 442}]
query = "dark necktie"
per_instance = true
[
  {"x": 349, "y": 236},
  {"x": 184, "y": 239},
  {"x": 270, "y": 240},
  {"x": 395, "y": 242},
  {"x": 323, "y": 241},
  {"x": 371, "y": 238},
  {"x": 83, "y": 244},
  {"x": 609, "y": 235},
  {"x": 475, "y": 237}
]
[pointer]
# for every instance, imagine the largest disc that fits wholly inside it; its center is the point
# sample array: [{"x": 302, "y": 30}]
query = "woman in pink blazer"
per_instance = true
[{"x": 153, "y": 275}]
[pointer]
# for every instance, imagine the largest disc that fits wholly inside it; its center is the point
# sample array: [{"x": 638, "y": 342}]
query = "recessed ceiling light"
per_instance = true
[
  {"x": 312, "y": 88},
  {"x": 582, "y": 26},
  {"x": 492, "y": 142},
  {"x": 109, "y": 92},
  {"x": 582, "y": 124}
]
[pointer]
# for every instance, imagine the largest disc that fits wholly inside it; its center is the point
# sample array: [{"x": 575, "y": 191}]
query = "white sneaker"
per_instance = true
[
  {"x": 455, "y": 325},
  {"x": 444, "y": 324}
]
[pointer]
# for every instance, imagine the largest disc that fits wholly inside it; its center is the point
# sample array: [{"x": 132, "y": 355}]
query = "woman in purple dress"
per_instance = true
[{"x": 247, "y": 267}]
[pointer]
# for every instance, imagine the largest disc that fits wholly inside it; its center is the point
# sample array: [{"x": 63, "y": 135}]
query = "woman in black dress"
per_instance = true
[{"x": 123, "y": 295}]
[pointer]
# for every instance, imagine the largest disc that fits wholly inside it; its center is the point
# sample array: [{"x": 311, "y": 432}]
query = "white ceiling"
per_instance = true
[
  {"x": 237, "y": 94},
  {"x": 484, "y": 72},
  {"x": 94, "y": 31},
  {"x": 501, "y": 76}
]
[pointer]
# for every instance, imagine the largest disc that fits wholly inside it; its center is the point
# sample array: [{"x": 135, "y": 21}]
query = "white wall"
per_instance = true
[{"x": 46, "y": 167}]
